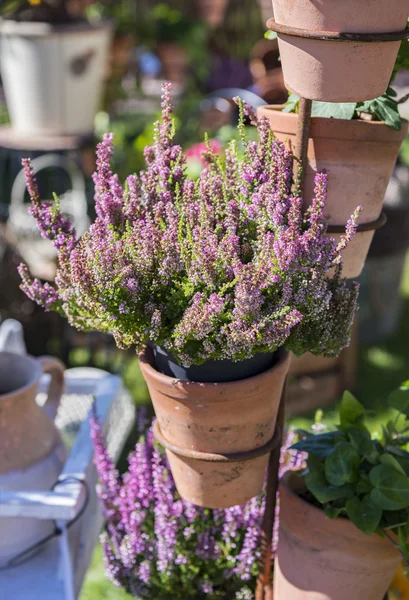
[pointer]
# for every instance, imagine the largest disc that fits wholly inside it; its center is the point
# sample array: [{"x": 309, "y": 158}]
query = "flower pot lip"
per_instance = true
[
  {"x": 342, "y": 129},
  {"x": 340, "y": 527},
  {"x": 145, "y": 359},
  {"x": 43, "y": 29}
]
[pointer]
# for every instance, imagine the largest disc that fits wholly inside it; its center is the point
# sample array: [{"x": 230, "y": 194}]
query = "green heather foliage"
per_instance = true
[{"x": 362, "y": 477}]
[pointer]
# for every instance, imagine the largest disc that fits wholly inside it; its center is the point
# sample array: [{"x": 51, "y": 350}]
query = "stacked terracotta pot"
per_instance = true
[
  {"x": 201, "y": 422},
  {"x": 319, "y": 558},
  {"x": 359, "y": 156}
]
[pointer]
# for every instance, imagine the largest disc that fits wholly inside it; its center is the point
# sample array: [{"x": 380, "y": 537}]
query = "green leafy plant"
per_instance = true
[
  {"x": 49, "y": 11},
  {"x": 384, "y": 108},
  {"x": 351, "y": 473}
]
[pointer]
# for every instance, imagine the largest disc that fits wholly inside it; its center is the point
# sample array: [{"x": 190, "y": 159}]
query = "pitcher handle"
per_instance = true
[{"x": 56, "y": 368}]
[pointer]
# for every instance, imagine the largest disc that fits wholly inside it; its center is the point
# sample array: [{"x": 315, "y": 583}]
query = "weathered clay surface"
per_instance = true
[
  {"x": 323, "y": 559},
  {"x": 359, "y": 158},
  {"x": 339, "y": 71},
  {"x": 218, "y": 418}
]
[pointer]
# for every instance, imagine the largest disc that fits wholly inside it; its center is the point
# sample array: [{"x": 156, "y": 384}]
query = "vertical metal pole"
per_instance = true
[
  {"x": 267, "y": 530},
  {"x": 301, "y": 143},
  {"x": 264, "y": 590}
]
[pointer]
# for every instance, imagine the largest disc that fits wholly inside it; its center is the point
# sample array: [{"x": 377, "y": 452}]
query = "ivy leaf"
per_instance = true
[
  {"x": 361, "y": 441},
  {"x": 321, "y": 444},
  {"x": 399, "y": 399},
  {"x": 333, "y": 110},
  {"x": 332, "y": 512},
  {"x": 342, "y": 465},
  {"x": 323, "y": 492},
  {"x": 391, "y": 489},
  {"x": 364, "y": 514},
  {"x": 364, "y": 486},
  {"x": 385, "y": 109},
  {"x": 351, "y": 410},
  {"x": 391, "y": 461},
  {"x": 292, "y": 104}
]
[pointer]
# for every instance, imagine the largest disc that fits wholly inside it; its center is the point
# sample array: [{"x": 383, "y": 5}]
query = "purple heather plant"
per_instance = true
[
  {"x": 218, "y": 268},
  {"x": 157, "y": 545}
]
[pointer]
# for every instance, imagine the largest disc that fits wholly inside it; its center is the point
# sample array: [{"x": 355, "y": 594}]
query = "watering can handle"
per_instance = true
[
  {"x": 55, "y": 368},
  {"x": 47, "y": 161}
]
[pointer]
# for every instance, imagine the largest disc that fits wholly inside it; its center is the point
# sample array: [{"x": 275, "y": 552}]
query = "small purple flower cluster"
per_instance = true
[
  {"x": 218, "y": 268},
  {"x": 160, "y": 546}
]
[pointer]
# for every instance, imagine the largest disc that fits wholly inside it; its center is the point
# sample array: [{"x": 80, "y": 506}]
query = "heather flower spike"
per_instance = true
[
  {"x": 218, "y": 268},
  {"x": 155, "y": 541}
]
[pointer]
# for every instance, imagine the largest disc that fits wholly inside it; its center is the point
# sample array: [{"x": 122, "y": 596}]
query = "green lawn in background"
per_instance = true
[{"x": 380, "y": 369}]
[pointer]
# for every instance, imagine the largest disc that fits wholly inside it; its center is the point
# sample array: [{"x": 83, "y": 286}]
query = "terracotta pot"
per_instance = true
[
  {"x": 359, "y": 157},
  {"x": 339, "y": 71},
  {"x": 31, "y": 450},
  {"x": 217, "y": 418},
  {"x": 174, "y": 62},
  {"x": 308, "y": 364},
  {"x": 323, "y": 559}
]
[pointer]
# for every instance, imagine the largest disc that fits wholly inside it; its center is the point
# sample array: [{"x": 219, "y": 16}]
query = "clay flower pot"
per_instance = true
[
  {"x": 222, "y": 418},
  {"x": 323, "y": 559},
  {"x": 339, "y": 71},
  {"x": 359, "y": 157}
]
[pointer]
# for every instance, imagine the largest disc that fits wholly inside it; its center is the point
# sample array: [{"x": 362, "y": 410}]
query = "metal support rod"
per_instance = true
[
  {"x": 301, "y": 143},
  {"x": 264, "y": 589},
  {"x": 263, "y": 583}
]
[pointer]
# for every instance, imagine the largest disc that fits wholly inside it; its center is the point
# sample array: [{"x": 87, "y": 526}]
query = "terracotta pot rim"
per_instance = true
[
  {"x": 340, "y": 527},
  {"x": 193, "y": 386},
  {"x": 37, "y": 370},
  {"x": 343, "y": 128}
]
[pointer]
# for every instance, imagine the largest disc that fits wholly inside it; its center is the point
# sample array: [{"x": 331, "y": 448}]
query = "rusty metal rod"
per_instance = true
[
  {"x": 264, "y": 579},
  {"x": 273, "y": 443},
  {"x": 335, "y": 36},
  {"x": 371, "y": 226},
  {"x": 301, "y": 144},
  {"x": 264, "y": 588}
]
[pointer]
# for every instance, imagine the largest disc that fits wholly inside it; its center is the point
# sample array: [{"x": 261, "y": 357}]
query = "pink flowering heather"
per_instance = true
[
  {"x": 219, "y": 268},
  {"x": 158, "y": 546}
]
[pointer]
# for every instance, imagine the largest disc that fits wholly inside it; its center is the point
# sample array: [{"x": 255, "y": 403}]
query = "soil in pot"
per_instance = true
[
  {"x": 339, "y": 71},
  {"x": 359, "y": 158},
  {"x": 323, "y": 559},
  {"x": 223, "y": 418}
]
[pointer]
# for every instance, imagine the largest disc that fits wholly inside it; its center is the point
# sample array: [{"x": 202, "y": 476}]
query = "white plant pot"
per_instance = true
[{"x": 53, "y": 75}]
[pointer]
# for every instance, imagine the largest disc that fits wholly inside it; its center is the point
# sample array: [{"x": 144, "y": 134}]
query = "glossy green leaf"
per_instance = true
[
  {"x": 385, "y": 109},
  {"x": 364, "y": 486},
  {"x": 391, "y": 489},
  {"x": 332, "y": 512},
  {"x": 399, "y": 399},
  {"x": 391, "y": 461},
  {"x": 361, "y": 441},
  {"x": 333, "y": 110},
  {"x": 364, "y": 514},
  {"x": 323, "y": 492},
  {"x": 292, "y": 104},
  {"x": 351, "y": 410},
  {"x": 342, "y": 465},
  {"x": 321, "y": 444}
]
